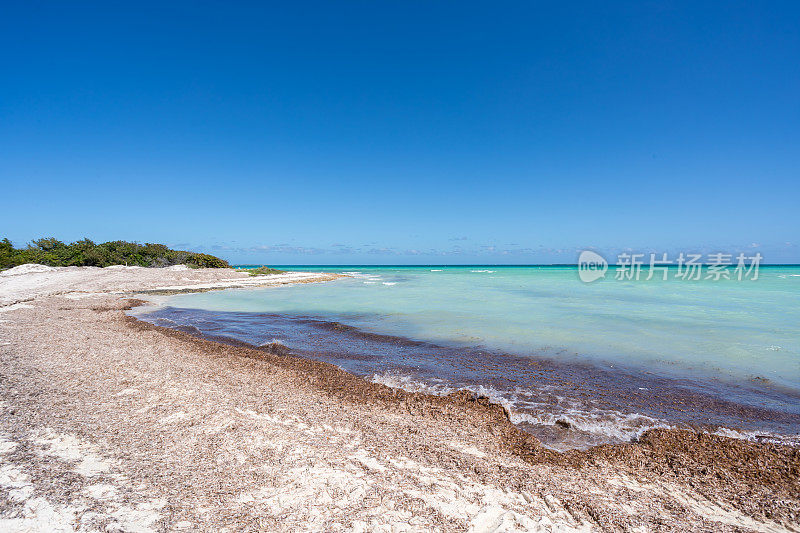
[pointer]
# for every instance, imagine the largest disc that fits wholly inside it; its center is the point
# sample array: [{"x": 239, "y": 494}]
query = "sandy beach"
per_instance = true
[{"x": 109, "y": 423}]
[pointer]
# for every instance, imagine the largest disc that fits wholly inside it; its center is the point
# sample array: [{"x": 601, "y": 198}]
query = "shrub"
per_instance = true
[
  {"x": 52, "y": 252},
  {"x": 263, "y": 271}
]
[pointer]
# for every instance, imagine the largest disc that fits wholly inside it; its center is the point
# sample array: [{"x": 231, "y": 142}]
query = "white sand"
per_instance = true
[{"x": 27, "y": 282}]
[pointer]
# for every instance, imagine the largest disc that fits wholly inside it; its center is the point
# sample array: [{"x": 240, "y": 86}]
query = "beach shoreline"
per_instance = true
[
  {"x": 110, "y": 385},
  {"x": 603, "y": 405}
]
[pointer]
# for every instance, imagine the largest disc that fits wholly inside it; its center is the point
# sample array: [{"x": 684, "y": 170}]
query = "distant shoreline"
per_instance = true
[{"x": 554, "y": 265}]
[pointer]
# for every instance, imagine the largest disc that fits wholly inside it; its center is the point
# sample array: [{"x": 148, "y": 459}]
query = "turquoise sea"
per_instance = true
[{"x": 576, "y": 363}]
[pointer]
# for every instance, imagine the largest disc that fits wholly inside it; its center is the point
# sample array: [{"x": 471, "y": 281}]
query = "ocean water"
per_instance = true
[{"x": 575, "y": 363}]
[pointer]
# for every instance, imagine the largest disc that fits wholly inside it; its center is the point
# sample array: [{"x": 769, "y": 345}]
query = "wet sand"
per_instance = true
[{"x": 109, "y": 422}]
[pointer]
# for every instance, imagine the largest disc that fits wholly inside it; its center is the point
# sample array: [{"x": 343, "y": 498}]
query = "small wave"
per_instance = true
[
  {"x": 276, "y": 347},
  {"x": 396, "y": 380},
  {"x": 609, "y": 425},
  {"x": 436, "y": 270},
  {"x": 361, "y": 275},
  {"x": 273, "y": 342},
  {"x": 390, "y": 283},
  {"x": 759, "y": 436},
  {"x": 486, "y": 271}
]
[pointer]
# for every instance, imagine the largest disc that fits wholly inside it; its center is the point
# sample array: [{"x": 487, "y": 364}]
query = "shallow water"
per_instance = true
[{"x": 577, "y": 364}]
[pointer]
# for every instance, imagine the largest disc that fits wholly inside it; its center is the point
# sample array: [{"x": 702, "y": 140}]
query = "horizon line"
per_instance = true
[{"x": 644, "y": 265}]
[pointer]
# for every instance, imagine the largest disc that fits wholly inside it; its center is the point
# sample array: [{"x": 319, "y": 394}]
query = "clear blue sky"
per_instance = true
[{"x": 403, "y": 132}]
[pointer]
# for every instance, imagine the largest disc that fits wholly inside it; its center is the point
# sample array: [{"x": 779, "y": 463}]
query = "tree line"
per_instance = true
[{"x": 52, "y": 252}]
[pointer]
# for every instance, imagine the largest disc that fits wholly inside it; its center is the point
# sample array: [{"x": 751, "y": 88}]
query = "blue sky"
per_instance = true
[{"x": 404, "y": 132}]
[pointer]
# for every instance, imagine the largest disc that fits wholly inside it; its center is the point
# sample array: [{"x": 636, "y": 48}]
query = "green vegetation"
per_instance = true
[
  {"x": 53, "y": 252},
  {"x": 261, "y": 271}
]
